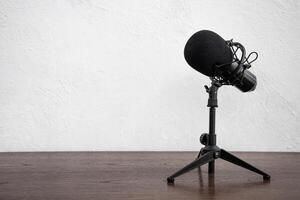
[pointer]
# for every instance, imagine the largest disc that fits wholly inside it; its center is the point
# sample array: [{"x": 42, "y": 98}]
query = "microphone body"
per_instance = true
[{"x": 211, "y": 55}]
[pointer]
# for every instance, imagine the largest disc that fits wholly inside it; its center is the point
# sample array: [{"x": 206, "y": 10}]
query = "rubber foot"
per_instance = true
[
  {"x": 267, "y": 178},
  {"x": 170, "y": 180}
]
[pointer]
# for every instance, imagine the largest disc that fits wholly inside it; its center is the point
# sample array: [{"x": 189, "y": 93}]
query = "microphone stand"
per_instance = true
[{"x": 211, "y": 151}]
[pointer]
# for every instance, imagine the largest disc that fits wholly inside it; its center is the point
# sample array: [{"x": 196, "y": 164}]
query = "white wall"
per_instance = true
[{"x": 110, "y": 75}]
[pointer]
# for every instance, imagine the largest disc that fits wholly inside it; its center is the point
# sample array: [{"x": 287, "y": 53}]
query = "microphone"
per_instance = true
[{"x": 211, "y": 55}]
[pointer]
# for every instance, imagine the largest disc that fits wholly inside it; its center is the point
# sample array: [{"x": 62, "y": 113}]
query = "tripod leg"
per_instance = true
[
  {"x": 205, "y": 158},
  {"x": 235, "y": 160},
  {"x": 200, "y": 153}
]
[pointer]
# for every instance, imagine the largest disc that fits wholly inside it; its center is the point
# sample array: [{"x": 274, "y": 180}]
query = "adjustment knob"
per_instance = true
[{"x": 204, "y": 139}]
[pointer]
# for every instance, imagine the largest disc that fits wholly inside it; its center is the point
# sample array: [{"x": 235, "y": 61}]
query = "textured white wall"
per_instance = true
[{"x": 110, "y": 75}]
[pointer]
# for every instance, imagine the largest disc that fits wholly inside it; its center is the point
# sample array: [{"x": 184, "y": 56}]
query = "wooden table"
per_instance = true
[{"x": 141, "y": 175}]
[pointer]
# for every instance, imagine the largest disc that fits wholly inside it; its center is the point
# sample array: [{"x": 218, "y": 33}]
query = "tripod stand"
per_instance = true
[{"x": 211, "y": 151}]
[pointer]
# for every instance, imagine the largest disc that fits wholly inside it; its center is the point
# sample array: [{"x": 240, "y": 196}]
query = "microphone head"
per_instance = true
[{"x": 206, "y": 49}]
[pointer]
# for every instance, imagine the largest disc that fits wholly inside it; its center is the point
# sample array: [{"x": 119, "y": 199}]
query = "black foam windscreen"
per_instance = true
[{"x": 204, "y": 50}]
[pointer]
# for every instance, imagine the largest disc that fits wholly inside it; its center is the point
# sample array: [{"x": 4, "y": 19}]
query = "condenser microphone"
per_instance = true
[{"x": 211, "y": 55}]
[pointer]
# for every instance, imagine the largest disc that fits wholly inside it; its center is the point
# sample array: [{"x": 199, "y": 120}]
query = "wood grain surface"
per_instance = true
[{"x": 142, "y": 175}]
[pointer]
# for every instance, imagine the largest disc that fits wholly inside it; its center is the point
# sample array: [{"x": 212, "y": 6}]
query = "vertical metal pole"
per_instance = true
[
  {"x": 212, "y": 125},
  {"x": 212, "y": 136},
  {"x": 212, "y": 104}
]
